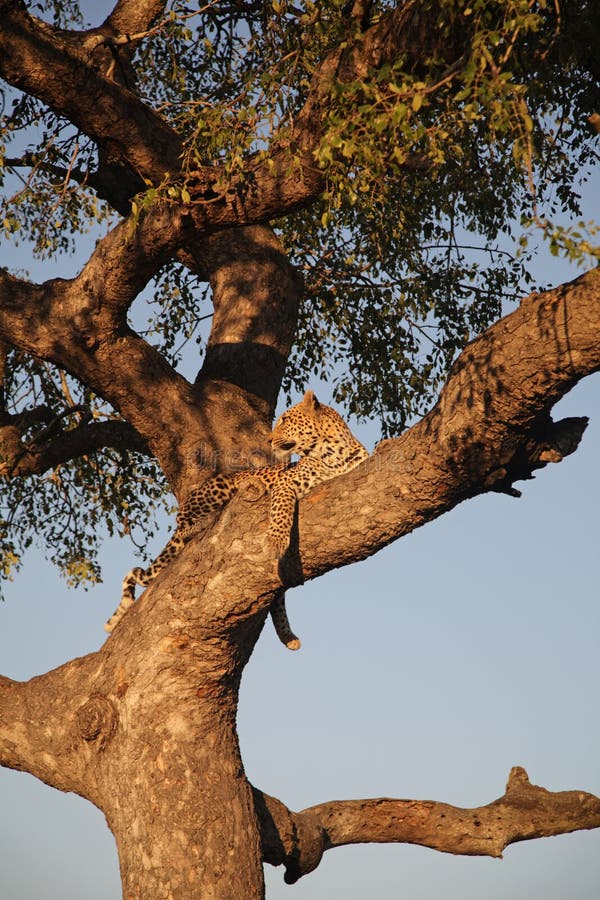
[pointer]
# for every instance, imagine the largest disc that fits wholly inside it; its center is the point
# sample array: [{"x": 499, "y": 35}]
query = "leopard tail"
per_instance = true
[
  {"x": 281, "y": 622},
  {"x": 127, "y": 597}
]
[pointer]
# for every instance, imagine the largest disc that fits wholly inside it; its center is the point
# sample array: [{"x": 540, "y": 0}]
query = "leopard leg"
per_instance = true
[
  {"x": 143, "y": 577},
  {"x": 281, "y": 516},
  {"x": 281, "y": 622}
]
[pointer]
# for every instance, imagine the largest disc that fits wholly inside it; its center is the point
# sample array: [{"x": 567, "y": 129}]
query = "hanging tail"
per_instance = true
[{"x": 281, "y": 622}]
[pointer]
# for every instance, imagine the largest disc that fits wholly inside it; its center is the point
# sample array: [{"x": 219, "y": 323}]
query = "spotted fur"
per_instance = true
[{"x": 326, "y": 447}]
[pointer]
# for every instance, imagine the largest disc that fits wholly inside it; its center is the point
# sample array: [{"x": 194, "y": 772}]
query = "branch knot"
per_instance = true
[{"x": 97, "y": 720}]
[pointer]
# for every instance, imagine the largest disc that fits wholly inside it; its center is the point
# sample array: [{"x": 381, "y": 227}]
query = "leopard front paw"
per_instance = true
[{"x": 278, "y": 541}]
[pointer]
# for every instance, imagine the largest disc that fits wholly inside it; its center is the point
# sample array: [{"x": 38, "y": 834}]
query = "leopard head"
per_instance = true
[{"x": 298, "y": 429}]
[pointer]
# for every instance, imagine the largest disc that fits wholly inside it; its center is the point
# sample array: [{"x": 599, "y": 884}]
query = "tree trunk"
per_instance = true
[
  {"x": 179, "y": 805},
  {"x": 145, "y": 727},
  {"x": 173, "y": 785}
]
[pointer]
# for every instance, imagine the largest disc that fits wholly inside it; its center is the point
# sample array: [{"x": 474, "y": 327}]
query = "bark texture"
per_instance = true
[
  {"x": 145, "y": 727},
  {"x": 524, "y": 812}
]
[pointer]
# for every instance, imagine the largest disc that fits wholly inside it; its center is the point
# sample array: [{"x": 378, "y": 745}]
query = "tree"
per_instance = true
[{"x": 364, "y": 147}]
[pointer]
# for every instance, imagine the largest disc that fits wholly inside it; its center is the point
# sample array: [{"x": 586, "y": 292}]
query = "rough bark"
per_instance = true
[
  {"x": 490, "y": 427},
  {"x": 220, "y": 422},
  {"x": 523, "y": 813},
  {"x": 55, "y": 68},
  {"x": 148, "y": 735}
]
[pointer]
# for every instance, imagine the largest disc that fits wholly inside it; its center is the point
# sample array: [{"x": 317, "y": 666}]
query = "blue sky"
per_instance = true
[{"x": 426, "y": 672}]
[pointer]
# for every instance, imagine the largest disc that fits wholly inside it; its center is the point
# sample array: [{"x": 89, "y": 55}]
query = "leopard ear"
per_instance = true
[{"x": 310, "y": 401}]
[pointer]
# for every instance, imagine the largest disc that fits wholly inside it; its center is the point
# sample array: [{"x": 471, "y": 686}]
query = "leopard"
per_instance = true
[{"x": 326, "y": 448}]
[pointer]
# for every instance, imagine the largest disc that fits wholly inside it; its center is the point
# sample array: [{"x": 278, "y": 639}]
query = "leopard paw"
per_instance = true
[{"x": 278, "y": 542}]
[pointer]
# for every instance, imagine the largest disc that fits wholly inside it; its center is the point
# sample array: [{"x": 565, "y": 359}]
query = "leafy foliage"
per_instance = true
[
  {"x": 63, "y": 511},
  {"x": 442, "y": 171},
  {"x": 401, "y": 267},
  {"x": 47, "y": 201},
  {"x": 171, "y": 315}
]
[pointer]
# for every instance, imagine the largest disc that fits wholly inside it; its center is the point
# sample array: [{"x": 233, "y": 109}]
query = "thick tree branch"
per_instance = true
[
  {"x": 57, "y": 68},
  {"x": 38, "y": 61},
  {"x": 255, "y": 293},
  {"x": 255, "y": 298},
  {"x": 82, "y": 312},
  {"x": 48, "y": 449},
  {"x": 407, "y": 32},
  {"x": 289, "y": 178},
  {"x": 490, "y": 426},
  {"x": 73, "y": 325},
  {"x": 223, "y": 421},
  {"x": 127, "y": 258},
  {"x": 525, "y": 812},
  {"x": 131, "y": 16},
  {"x": 38, "y": 724}
]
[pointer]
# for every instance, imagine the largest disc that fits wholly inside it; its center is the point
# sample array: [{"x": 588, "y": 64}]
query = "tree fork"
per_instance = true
[{"x": 222, "y": 422}]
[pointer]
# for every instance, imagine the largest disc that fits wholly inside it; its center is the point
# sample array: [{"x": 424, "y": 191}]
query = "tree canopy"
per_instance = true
[{"x": 409, "y": 168}]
